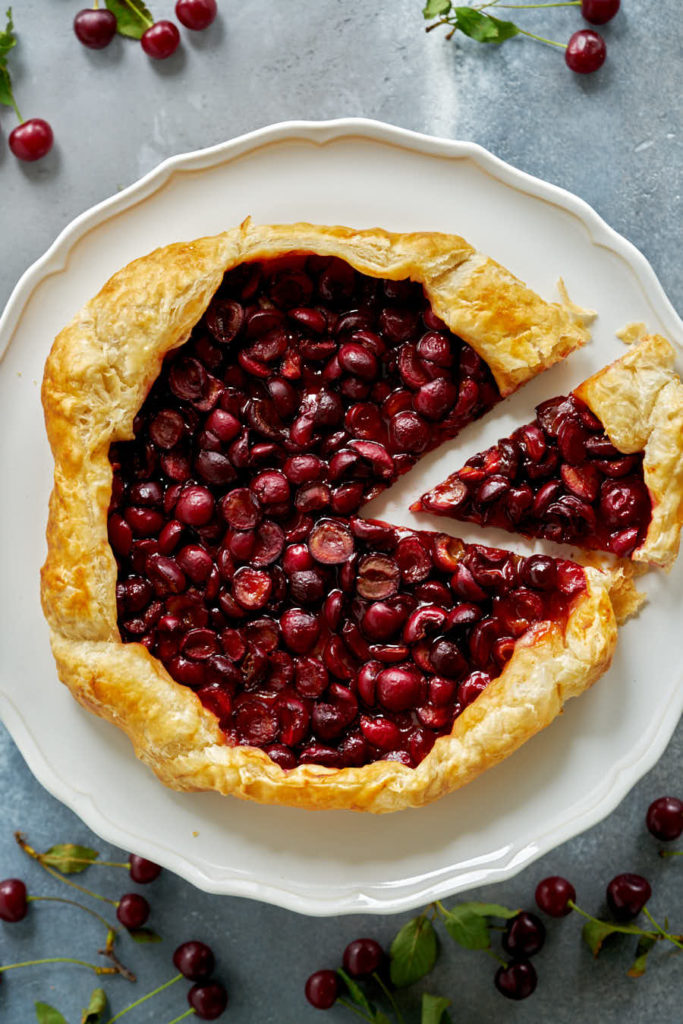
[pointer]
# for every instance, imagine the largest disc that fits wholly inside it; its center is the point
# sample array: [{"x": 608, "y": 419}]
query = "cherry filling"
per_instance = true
[
  {"x": 305, "y": 390},
  {"x": 559, "y": 477}
]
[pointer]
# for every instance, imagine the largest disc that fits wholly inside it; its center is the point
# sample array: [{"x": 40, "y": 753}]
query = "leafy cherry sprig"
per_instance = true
[
  {"x": 8, "y": 41},
  {"x": 483, "y": 27}
]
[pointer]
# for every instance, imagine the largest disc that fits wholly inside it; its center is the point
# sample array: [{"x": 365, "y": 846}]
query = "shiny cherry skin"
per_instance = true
[
  {"x": 322, "y": 989},
  {"x": 13, "y": 901},
  {"x": 31, "y": 140},
  {"x": 161, "y": 40},
  {"x": 524, "y": 935},
  {"x": 586, "y": 52},
  {"x": 143, "y": 871},
  {"x": 627, "y": 895},
  {"x": 196, "y": 14},
  {"x": 517, "y": 980},
  {"x": 665, "y": 818},
  {"x": 209, "y": 1000},
  {"x": 599, "y": 12},
  {"x": 133, "y": 910},
  {"x": 362, "y": 957},
  {"x": 553, "y": 894},
  {"x": 95, "y": 28},
  {"x": 194, "y": 960}
]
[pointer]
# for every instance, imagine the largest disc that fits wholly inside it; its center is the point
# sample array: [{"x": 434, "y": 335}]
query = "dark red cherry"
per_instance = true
[
  {"x": 665, "y": 818},
  {"x": 322, "y": 989},
  {"x": 553, "y": 895},
  {"x": 143, "y": 871},
  {"x": 194, "y": 960},
  {"x": 516, "y": 981},
  {"x": 196, "y": 14},
  {"x": 95, "y": 28},
  {"x": 627, "y": 895},
  {"x": 31, "y": 140},
  {"x": 13, "y": 900},
  {"x": 362, "y": 957},
  {"x": 524, "y": 935},
  {"x": 161, "y": 40},
  {"x": 132, "y": 910},
  {"x": 208, "y": 1000},
  {"x": 599, "y": 12},
  {"x": 586, "y": 52}
]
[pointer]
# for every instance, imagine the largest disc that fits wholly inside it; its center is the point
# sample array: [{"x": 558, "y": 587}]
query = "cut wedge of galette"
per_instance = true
[
  {"x": 600, "y": 468},
  {"x": 218, "y": 414}
]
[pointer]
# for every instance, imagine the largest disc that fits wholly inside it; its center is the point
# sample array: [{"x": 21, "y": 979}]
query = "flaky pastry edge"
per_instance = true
[{"x": 97, "y": 376}]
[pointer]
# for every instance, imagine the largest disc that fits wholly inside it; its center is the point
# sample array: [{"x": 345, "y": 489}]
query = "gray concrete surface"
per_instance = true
[{"x": 614, "y": 139}]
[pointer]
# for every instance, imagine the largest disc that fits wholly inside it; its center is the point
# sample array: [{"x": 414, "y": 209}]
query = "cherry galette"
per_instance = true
[
  {"x": 601, "y": 468},
  {"x": 218, "y": 415}
]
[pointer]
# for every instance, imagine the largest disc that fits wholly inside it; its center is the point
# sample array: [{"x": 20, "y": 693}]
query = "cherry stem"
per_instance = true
[
  {"x": 390, "y": 996},
  {"x": 661, "y": 931},
  {"x": 494, "y": 956},
  {"x": 72, "y": 903},
  {"x": 631, "y": 929},
  {"x": 671, "y": 853},
  {"x": 541, "y": 39},
  {"x": 349, "y": 1006},
  {"x": 61, "y": 960},
  {"x": 188, "y": 1013},
  {"x": 143, "y": 999},
  {"x": 56, "y": 874}
]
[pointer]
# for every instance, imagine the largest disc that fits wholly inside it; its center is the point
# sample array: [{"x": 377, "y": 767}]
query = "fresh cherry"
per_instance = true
[
  {"x": 586, "y": 52},
  {"x": 598, "y": 12},
  {"x": 517, "y": 980},
  {"x": 13, "y": 902},
  {"x": 665, "y": 818},
  {"x": 553, "y": 895},
  {"x": 362, "y": 957},
  {"x": 143, "y": 871},
  {"x": 132, "y": 910},
  {"x": 31, "y": 140},
  {"x": 196, "y": 14},
  {"x": 161, "y": 40},
  {"x": 524, "y": 935},
  {"x": 209, "y": 1000},
  {"x": 95, "y": 28},
  {"x": 627, "y": 895},
  {"x": 322, "y": 989},
  {"x": 194, "y": 960}
]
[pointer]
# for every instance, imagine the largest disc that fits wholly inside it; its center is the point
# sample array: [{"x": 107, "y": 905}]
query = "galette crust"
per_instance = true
[
  {"x": 639, "y": 401},
  {"x": 97, "y": 376}
]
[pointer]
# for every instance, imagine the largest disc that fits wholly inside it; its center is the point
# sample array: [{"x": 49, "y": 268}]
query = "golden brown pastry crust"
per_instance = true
[
  {"x": 639, "y": 400},
  {"x": 97, "y": 376}
]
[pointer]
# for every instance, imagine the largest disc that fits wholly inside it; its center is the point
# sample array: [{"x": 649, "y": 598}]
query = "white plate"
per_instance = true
[{"x": 362, "y": 174}]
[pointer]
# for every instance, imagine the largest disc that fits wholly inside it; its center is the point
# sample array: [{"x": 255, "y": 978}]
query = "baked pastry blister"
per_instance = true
[{"x": 218, "y": 414}]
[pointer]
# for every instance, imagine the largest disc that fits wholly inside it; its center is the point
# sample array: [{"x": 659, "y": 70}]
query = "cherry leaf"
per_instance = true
[
  {"x": 484, "y": 27},
  {"x": 356, "y": 992},
  {"x": 467, "y": 927},
  {"x": 69, "y": 858},
  {"x": 143, "y": 935},
  {"x": 46, "y": 1014},
  {"x": 133, "y": 17},
  {"x": 434, "y": 1009},
  {"x": 6, "y": 97},
  {"x": 490, "y": 910},
  {"x": 595, "y": 932},
  {"x": 436, "y": 8},
  {"x": 413, "y": 952},
  {"x": 645, "y": 944},
  {"x": 95, "y": 1011},
  {"x": 7, "y": 38}
]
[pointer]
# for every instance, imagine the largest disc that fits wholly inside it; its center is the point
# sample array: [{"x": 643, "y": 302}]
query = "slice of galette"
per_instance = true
[
  {"x": 600, "y": 468},
  {"x": 218, "y": 413}
]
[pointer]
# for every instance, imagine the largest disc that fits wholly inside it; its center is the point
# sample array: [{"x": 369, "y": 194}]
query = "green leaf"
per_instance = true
[
  {"x": 595, "y": 932},
  {"x": 490, "y": 910},
  {"x": 467, "y": 927},
  {"x": 433, "y": 1008},
  {"x": 69, "y": 858},
  {"x": 6, "y": 97},
  {"x": 143, "y": 935},
  {"x": 7, "y": 38},
  {"x": 380, "y": 1018},
  {"x": 484, "y": 27},
  {"x": 413, "y": 952},
  {"x": 639, "y": 965},
  {"x": 48, "y": 1015},
  {"x": 96, "y": 1010},
  {"x": 357, "y": 994},
  {"x": 436, "y": 8},
  {"x": 133, "y": 17}
]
